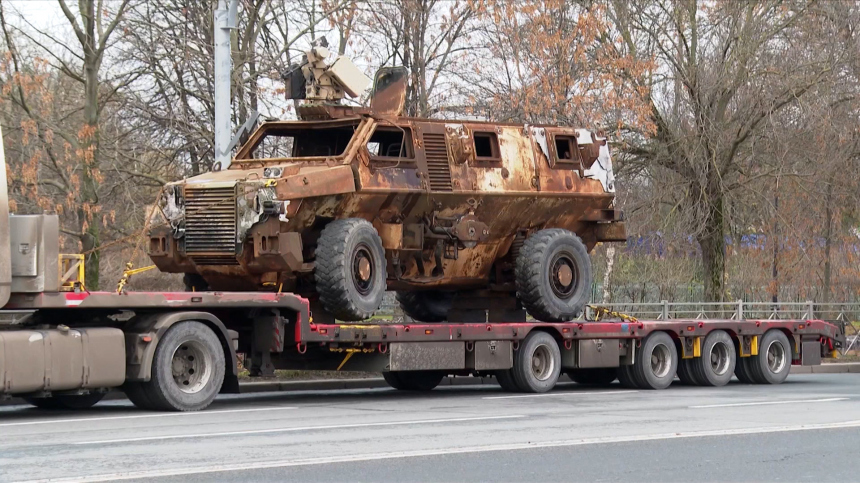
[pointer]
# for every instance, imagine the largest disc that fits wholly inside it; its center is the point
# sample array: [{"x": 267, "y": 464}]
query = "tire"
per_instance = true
[
  {"x": 537, "y": 364},
  {"x": 506, "y": 380},
  {"x": 685, "y": 373},
  {"x": 716, "y": 365},
  {"x": 426, "y": 306},
  {"x": 196, "y": 348},
  {"x": 553, "y": 275},
  {"x": 625, "y": 377},
  {"x": 742, "y": 371},
  {"x": 194, "y": 282},
  {"x": 773, "y": 362},
  {"x": 600, "y": 376},
  {"x": 136, "y": 393},
  {"x": 413, "y": 380},
  {"x": 350, "y": 269},
  {"x": 656, "y": 362},
  {"x": 67, "y": 401}
]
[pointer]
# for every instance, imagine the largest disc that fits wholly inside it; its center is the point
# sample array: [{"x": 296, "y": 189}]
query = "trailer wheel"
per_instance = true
[
  {"x": 656, "y": 362},
  {"x": 626, "y": 378},
  {"x": 717, "y": 363},
  {"x": 350, "y": 269},
  {"x": 537, "y": 364},
  {"x": 506, "y": 380},
  {"x": 686, "y": 374},
  {"x": 773, "y": 362},
  {"x": 553, "y": 275},
  {"x": 600, "y": 376},
  {"x": 426, "y": 306},
  {"x": 413, "y": 380},
  {"x": 742, "y": 369},
  {"x": 187, "y": 369},
  {"x": 67, "y": 401}
]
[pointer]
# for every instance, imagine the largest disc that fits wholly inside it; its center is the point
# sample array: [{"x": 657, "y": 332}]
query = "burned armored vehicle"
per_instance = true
[{"x": 349, "y": 202}]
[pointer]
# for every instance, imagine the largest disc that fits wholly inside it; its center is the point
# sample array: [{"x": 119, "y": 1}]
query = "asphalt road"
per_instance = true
[{"x": 807, "y": 429}]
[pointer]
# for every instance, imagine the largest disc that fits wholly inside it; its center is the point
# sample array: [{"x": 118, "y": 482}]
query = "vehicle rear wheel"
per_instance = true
[
  {"x": 426, "y": 306},
  {"x": 136, "y": 393},
  {"x": 625, "y": 377},
  {"x": 742, "y": 371},
  {"x": 656, "y": 362},
  {"x": 686, "y": 374},
  {"x": 505, "y": 378},
  {"x": 599, "y": 376},
  {"x": 537, "y": 364},
  {"x": 187, "y": 369},
  {"x": 350, "y": 269},
  {"x": 773, "y": 362},
  {"x": 553, "y": 275},
  {"x": 717, "y": 363},
  {"x": 413, "y": 380},
  {"x": 67, "y": 401}
]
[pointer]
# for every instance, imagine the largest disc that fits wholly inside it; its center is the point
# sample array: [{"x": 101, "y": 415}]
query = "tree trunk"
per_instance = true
[
  {"x": 607, "y": 275},
  {"x": 828, "y": 242},
  {"x": 89, "y": 150},
  {"x": 713, "y": 244},
  {"x": 776, "y": 240}
]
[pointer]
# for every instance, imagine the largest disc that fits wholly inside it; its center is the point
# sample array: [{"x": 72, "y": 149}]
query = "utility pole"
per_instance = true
[{"x": 225, "y": 21}]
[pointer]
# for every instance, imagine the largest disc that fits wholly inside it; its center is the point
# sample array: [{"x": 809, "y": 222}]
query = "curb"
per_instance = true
[{"x": 831, "y": 368}]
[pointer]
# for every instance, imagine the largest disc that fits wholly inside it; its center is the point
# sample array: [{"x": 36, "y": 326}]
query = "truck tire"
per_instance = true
[
  {"x": 625, "y": 377},
  {"x": 599, "y": 376},
  {"x": 553, "y": 275},
  {"x": 656, "y": 362},
  {"x": 350, "y": 270},
  {"x": 717, "y": 364},
  {"x": 685, "y": 373},
  {"x": 187, "y": 369},
  {"x": 136, "y": 392},
  {"x": 742, "y": 370},
  {"x": 194, "y": 282},
  {"x": 413, "y": 380},
  {"x": 67, "y": 401},
  {"x": 773, "y": 362},
  {"x": 537, "y": 363},
  {"x": 506, "y": 380},
  {"x": 426, "y": 306}
]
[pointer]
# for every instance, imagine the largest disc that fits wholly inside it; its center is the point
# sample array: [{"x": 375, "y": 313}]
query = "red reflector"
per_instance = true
[
  {"x": 565, "y": 330},
  {"x": 428, "y": 331},
  {"x": 690, "y": 328},
  {"x": 146, "y": 338},
  {"x": 323, "y": 331},
  {"x": 802, "y": 326}
]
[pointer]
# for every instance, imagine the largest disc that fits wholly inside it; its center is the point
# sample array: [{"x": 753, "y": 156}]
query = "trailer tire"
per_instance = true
[
  {"x": 716, "y": 365},
  {"x": 773, "y": 362},
  {"x": 195, "y": 350},
  {"x": 625, "y": 377},
  {"x": 413, "y": 380},
  {"x": 506, "y": 380},
  {"x": 66, "y": 401},
  {"x": 598, "y": 376},
  {"x": 426, "y": 306},
  {"x": 350, "y": 269},
  {"x": 553, "y": 275},
  {"x": 537, "y": 363},
  {"x": 742, "y": 370},
  {"x": 685, "y": 373},
  {"x": 656, "y": 362}
]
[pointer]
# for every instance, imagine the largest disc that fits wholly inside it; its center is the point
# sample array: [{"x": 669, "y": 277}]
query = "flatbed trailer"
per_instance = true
[{"x": 178, "y": 350}]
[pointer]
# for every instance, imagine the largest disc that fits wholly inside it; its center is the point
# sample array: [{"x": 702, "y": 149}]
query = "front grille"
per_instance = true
[
  {"x": 210, "y": 225},
  {"x": 438, "y": 169}
]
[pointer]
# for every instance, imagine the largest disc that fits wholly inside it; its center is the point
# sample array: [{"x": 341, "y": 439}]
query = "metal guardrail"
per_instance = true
[{"x": 840, "y": 313}]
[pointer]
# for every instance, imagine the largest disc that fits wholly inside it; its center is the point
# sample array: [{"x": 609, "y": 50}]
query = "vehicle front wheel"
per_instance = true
[{"x": 426, "y": 306}]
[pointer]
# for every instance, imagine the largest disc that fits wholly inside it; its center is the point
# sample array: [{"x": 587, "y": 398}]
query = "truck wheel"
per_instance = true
[
  {"x": 506, "y": 380},
  {"x": 773, "y": 362},
  {"x": 717, "y": 363},
  {"x": 187, "y": 369},
  {"x": 67, "y": 401},
  {"x": 413, "y": 380},
  {"x": 136, "y": 392},
  {"x": 600, "y": 376},
  {"x": 625, "y": 377},
  {"x": 350, "y": 269},
  {"x": 537, "y": 364},
  {"x": 426, "y": 306},
  {"x": 742, "y": 370},
  {"x": 656, "y": 362},
  {"x": 553, "y": 275},
  {"x": 685, "y": 373},
  {"x": 194, "y": 282}
]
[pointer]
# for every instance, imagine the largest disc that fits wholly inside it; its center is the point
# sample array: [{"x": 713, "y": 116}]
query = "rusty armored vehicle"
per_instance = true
[{"x": 349, "y": 202}]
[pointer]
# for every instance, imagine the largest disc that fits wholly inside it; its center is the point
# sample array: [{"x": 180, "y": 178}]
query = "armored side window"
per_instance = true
[
  {"x": 391, "y": 142},
  {"x": 567, "y": 153},
  {"x": 486, "y": 146}
]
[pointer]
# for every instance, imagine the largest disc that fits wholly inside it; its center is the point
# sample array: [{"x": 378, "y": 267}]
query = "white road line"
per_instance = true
[
  {"x": 143, "y": 416},
  {"x": 557, "y": 394},
  {"x": 289, "y": 430},
  {"x": 444, "y": 451},
  {"x": 768, "y": 403}
]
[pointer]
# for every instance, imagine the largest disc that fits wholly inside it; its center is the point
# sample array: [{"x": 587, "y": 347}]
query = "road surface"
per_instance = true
[{"x": 807, "y": 429}]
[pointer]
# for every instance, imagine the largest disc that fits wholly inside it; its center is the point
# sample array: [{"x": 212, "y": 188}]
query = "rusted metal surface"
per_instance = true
[{"x": 389, "y": 91}]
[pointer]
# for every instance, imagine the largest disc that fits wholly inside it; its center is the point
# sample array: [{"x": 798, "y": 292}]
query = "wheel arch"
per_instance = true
[{"x": 139, "y": 354}]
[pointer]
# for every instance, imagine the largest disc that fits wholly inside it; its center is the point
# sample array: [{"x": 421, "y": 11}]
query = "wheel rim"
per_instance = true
[
  {"x": 563, "y": 275},
  {"x": 362, "y": 269},
  {"x": 775, "y": 357},
  {"x": 661, "y": 361},
  {"x": 720, "y": 358},
  {"x": 543, "y": 364},
  {"x": 192, "y": 367}
]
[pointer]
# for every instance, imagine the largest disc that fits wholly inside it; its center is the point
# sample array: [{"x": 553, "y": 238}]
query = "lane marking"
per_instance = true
[
  {"x": 443, "y": 451},
  {"x": 559, "y": 394},
  {"x": 145, "y": 416},
  {"x": 768, "y": 403},
  {"x": 289, "y": 430}
]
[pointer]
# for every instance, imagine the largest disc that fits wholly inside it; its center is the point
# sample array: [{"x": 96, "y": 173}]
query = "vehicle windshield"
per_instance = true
[{"x": 303, "y": 142}]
